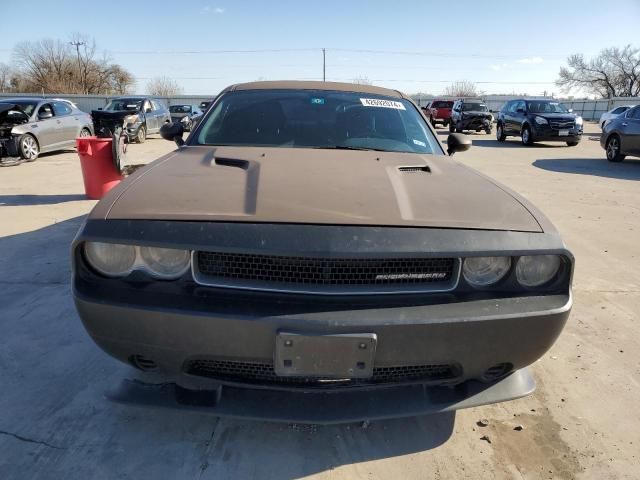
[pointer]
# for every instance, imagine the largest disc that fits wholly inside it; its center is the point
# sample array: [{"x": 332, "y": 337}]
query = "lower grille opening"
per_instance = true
[
  {"x": 264, "y": 374},
  {"x": 142, "y": 363}
]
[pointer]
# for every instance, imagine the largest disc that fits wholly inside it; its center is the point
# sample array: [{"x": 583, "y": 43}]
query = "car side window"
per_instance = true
[
  {"x": 156, "y": 105},
  {"x": 61, "y": 108},
  {"x": 618, "y": 110},
  {"x": 634, "y": 113},
  {"x": 521, "y": 106},
  {"x": 45, "y": 109},
  {"x": 147, "y": 106}
]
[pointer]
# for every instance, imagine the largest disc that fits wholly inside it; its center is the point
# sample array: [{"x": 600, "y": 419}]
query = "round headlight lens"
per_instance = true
[
  {"x": 541, "y": 120},
  {"x": 110, "y": 259},
  {"x": 536, "y": 270},
  {"x": 484, "y": 271},
  {"x": 165, "y": 262}
]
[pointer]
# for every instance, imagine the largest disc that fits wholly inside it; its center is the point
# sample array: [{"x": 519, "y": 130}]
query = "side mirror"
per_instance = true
[
  {"x": 99, "y": 108},
  {"x": 490, "y": 111},
  {"x": 457, "y": 142},
  {"x": 571, "y": 110},
  {"x": 173, "y": 132},
  {"x": 44, "y": 115}
]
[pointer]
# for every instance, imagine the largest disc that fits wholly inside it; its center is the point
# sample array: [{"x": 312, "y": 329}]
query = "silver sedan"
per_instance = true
[{"x": 30, "y": 126}]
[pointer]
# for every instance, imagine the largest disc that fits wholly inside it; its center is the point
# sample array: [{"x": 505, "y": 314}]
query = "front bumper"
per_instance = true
[
  {"x": 475, "y": 123},
  {"x": 132, "y": 130},
  {"x": 545, "y": 133}
]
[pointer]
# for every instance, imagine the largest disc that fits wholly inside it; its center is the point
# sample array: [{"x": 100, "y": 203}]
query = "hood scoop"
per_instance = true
[{"x": 415, "y": 169}]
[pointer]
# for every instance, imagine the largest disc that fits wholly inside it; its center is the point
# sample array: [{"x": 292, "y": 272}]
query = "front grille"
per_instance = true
[
  {"x": 264, "y": 374},
  {"x": 562, "y": 125},
  {"x": 341, "y": 275}
]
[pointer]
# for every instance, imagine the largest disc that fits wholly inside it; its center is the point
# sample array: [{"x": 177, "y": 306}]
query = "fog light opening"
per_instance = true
[
  {"x": 497, "y": 371},
  {"x": 142, "y": 363}
]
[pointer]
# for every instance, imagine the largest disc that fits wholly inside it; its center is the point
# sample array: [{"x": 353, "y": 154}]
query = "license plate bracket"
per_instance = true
[
  {"x": 563, "y": 133},
  {"x": 328, "y": 356}
]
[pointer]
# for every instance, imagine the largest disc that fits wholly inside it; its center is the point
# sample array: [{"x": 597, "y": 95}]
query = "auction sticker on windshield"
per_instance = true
[{"x": 376, "y": 102}]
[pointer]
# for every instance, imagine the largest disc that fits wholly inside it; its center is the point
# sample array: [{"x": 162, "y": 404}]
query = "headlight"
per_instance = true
[
  {"x": 110, "y": 259},
  {"x": 541, "y": 121},
  {"x": 118, "y": 260},
  {"x": 129, "y": 119},
  {"x": 578, "y": 120},
  {"x": 484, "y": 271},
  {"x": 536, "y": 270},
  {"x": 184, "y": 119},
  {"x": 167, "y": 263}
]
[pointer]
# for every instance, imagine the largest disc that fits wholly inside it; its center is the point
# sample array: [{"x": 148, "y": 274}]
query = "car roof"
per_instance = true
[
  {"x": 316, "y": 85},
  {"x": 25, "y": 99}
]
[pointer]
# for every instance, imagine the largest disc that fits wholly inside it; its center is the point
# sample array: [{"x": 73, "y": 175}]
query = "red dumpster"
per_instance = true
[{"x": 98, "y": 169}]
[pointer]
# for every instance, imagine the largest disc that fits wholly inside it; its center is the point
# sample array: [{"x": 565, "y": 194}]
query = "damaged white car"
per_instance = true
[{"x": 30, "y": 126}]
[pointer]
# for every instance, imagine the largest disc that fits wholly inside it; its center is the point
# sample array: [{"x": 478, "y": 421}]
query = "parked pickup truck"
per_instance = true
[{"x": 439, "y": 111}]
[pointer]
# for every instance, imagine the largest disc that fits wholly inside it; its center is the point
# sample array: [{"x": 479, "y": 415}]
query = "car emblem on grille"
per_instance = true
[{"x": 411, "y": 276}]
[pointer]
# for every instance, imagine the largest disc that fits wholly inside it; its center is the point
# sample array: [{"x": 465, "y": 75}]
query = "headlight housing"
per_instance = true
[
  {"x": 536, "y": 270},
  {"x": 184, "y": 119},
  {"x": 485, "y": 271},
  {"x": 110, "y": 259},
  {"x": 130, "y": 119},
  {"x": 541, "y": 121},
  {"x": 120, "y": 260},
  {"x": 579, "y": 121}
]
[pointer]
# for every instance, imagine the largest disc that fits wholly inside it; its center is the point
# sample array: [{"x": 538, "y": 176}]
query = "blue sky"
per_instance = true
[{"x": 505, "y": 46}]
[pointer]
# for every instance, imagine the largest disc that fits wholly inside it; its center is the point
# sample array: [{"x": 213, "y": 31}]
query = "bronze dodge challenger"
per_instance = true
[{"x": 312, "y": 254}]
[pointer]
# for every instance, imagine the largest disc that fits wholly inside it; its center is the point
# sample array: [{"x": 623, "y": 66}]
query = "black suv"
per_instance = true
[
  {"x": 147, "y": 115},
  {"x": 470, "y": 114},
  {"x": 539, "y": 120}
]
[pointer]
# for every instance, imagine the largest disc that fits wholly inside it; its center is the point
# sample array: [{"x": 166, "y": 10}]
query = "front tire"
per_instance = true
[
  {"x": 526, "y": 136},
  {"x": 451, "y": 129},
  {"x": 572, "y": 144},
  {"x": 613, "y": 149},
  {"x": 459, "y": 127},
  {"x": 85, "y": 132},
  {"x": 142, "y": 134},
  {"x": 29, "y": 148},
  {"x": 500, "y": 136}
]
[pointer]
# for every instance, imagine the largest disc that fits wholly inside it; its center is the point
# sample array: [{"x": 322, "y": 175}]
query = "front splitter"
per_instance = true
[{"x": 324, "y": 407}]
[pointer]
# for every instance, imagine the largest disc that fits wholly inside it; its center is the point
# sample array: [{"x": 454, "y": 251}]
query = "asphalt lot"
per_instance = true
[{"x": 582, "y": 422}]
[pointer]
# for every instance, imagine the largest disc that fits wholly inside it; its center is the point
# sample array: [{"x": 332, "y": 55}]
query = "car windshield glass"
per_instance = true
[
  {"x": 180, "y": 108},
  {"x": 474, "y": 107},
  {"x": 442, "y": 104},
  {"x": 26, "y": 107},
  {"x": 547, "y": 107},
  {"x": 120, "y": 104},
  {"x": 317, "y": 119}
]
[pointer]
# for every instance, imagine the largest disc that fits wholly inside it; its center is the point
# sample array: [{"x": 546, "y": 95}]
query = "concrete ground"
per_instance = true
[{"x": 582, "y": 422}]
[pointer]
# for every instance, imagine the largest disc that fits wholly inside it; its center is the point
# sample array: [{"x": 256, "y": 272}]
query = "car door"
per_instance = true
[
  {"x": 149, "y": 115},
  {"x": 64, "y": 118},
  {"x": 630, "y": 131},
  {"x": 510, "y": 119},
  {"x": 48, "y": 128},
  {"x": 161, "y": 113}
]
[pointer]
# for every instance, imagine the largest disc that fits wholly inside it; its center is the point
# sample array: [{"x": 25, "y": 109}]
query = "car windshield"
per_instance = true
[
  {"x": 180, "y": 109},
  {"x": 26, "y": 106},
  {"x": 120, "y": 104},
  {"x": 316, "y": 119},
  {"x": 547, "y": 107},
  {"x": 442, "y": 104},
  {"x": 474, "y": 107}
]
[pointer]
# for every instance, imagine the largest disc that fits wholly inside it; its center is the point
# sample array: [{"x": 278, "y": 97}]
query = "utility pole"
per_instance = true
[
  {"x": 324, "y": 65},
  {"x": 77, "y": 44}
]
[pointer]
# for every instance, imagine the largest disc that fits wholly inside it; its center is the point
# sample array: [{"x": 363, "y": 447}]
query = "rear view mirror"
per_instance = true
[
  {"x": 173, "y": 132},
  {"x": 457, "y": 142}
]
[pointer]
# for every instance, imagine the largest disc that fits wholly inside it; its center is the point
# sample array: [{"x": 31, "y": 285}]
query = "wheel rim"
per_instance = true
[
  {"x": 142, "y": 134},
  {"x": 612, "y": 148},
  {"x": 30, "y": 147},
  {"x": 84, "y": 132},
  {"x": 499, "y": 132},
  {"x": 525, "y": 135}
]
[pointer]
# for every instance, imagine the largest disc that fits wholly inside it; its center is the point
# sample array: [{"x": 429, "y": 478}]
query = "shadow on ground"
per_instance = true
[
  {"x": 53, "y": 406},
  {"x": 627, "y": 170},
  {"x": 21, "y": 200}
]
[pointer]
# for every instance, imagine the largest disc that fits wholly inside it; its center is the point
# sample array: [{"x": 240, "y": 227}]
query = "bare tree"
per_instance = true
[
  {"x": 163, "y": 87},
  {"x": 53, "y": 66},
  {"x": 614, "y": 72},
  {"x": 5, "y": 77},
  {"x": 361, "y": 80},
  {"x": 461, "y": 88}
]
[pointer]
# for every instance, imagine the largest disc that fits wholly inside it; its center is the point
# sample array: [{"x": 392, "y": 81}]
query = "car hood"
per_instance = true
[
  {"x": 5, "y": 108},
  {"x": 565, "y": 117},
  {"x": 476, "y": 113},
  {"x": 316, "y": 186}
]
